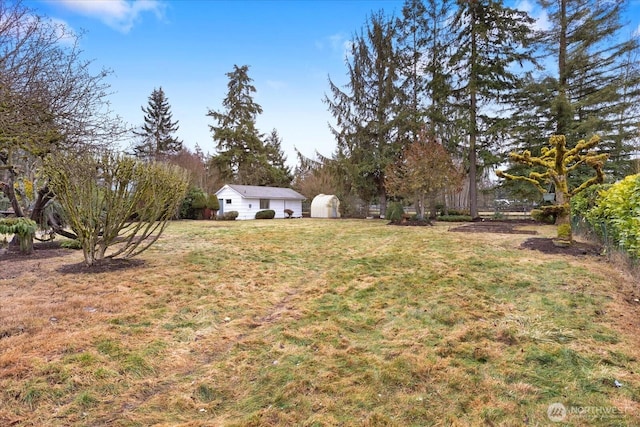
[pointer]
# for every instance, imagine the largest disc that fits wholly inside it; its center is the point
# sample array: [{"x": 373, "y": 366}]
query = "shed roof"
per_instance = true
[{"x": 260, "y": 192}]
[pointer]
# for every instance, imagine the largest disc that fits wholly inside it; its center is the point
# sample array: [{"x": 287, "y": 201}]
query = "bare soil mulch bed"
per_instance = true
[
  {"x": 504, "y": 227},
  {"x": 13, "y": 263},
  {"x": 548, "y": 247},
  {"x": 541, "y": 244}
]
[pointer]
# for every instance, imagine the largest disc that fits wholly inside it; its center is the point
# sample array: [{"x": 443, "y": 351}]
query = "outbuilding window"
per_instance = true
[
  {"x": 264, "y": 203},
  {"x": 227, "y": 202}
]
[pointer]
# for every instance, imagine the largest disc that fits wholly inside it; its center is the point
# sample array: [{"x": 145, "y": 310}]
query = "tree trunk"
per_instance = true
[
  {"x": 473, "y": 127},
  {"x": 383, "y": 203},
  {"x": 11, "y": 195},
  {"x": 26, "y": 244},
  {"x": 44, "y": 197},
  {"x": 563, "y": 217}
]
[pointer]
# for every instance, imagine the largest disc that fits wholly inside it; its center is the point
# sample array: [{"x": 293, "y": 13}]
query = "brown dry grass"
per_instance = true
[{"x": 312, "y": 322}]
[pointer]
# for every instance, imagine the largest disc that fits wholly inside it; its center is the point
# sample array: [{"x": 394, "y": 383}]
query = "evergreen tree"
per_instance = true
[
  {"x": 491, "y": 39},
  {"x": 413, "y": 38},
  {"x": 366, "y": 112},
  {"x": 242, "y": 157},
  {"x": 279, "y": 171},
  {"x": 425, "y": 88},
  {"x": 593, "y": 86},
  {"x": 157, "y": 133},
  {"x": 592, "y": 79}
]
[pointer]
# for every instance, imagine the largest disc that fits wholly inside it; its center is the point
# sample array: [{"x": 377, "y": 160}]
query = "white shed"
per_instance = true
[
  {"x": 325, "y": 206},
  {"x": 247, "y": 200}
]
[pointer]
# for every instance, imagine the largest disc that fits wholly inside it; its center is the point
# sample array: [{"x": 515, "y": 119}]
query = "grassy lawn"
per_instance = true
[{"x": 321, "y": 323}]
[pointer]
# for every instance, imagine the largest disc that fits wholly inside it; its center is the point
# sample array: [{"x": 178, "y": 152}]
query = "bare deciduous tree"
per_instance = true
[{"x": 50, "y": 100}]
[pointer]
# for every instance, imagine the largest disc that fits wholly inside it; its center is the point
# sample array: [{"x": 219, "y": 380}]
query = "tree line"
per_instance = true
[
  {"x": 476, "y": 78},
  {"x": 482, "y": 79},
  {"x": 456, "y": 83}
]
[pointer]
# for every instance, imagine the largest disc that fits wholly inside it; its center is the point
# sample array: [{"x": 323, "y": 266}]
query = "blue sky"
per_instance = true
[{"x": 291, "y": 46}]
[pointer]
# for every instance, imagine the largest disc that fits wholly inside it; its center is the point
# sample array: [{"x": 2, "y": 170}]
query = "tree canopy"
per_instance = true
[
  {"x": 157, "y": 132},
  {"x": 243, "y": 155}
]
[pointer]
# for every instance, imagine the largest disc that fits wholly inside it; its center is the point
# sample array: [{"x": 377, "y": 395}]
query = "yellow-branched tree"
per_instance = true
[{"x": 557, "y": 162}]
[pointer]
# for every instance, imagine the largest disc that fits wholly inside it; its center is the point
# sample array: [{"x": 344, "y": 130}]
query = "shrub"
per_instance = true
[
  {"x": 229, "y": 216},
  {"x": 101, "y": 193},
  {"x": 617, "y": 211},
  {"x": 71, "y": 244},
  {"x": 213, "y": 203},
  {"x": 394, "y": 211},
  {"x": 266, "y": 214},
  {"x": 542, "y": 216},
  {"x": 193, "y": 204},
  {"x": 24, "y": 228},
  {"x": 586, "y": 200}
]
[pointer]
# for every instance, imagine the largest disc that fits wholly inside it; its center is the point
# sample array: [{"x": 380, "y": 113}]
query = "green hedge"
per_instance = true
[
  {"x": 266, "y": 214},
  {"x": 229, "y": 216},
  {"x": 617, "y": 214}
]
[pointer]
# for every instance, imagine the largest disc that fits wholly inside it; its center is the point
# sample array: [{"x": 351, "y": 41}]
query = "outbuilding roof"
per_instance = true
[{"x": 260, "y": 192}]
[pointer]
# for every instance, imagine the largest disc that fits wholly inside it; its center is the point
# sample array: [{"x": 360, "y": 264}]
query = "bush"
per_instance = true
[
  {"x": 24, "y": 228},
  {"x": 229, "y": 216},
  {"x": 266, "y": 214},
  {"x": 617, "y": 213},
  {"x": 101, "y": 193},
  {"x": 213, "y": 203},
  {"x": 193, "y": 204},
  {"x": 71, "y": 244},
  {"x": 542, "y": 216},
  {"x": 394, "y": 211},
  {"x": 586, "y": 200}
]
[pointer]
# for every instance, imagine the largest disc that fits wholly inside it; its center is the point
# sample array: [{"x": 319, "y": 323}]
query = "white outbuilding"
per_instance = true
[
  {"x": 247, "y": 200},
  {"x": 325, "y": 206}
]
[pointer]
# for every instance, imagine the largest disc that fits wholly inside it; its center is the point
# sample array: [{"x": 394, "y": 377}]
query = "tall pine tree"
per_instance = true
[
  {"x": 280, "y": 173},
  {"x": 491, "y": 40},
  {"x": 595, "y": 84},
  {"x": 157, "y": 132},
  {"x": 240, "y": 156},
  {"x": 425, "y": 78},
  {"x": 366, "y": 112},
  {"x": 243, "y": 156}
]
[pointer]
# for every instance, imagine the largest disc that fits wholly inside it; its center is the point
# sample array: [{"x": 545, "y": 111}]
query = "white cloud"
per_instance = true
[
  {"x": 540, "y": 15},
  {"x": 120, "y": 15},
  {"x": 65, "y": 32}
]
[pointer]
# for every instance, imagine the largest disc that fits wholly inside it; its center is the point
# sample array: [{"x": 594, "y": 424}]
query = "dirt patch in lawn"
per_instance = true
[
  {"x": 548, "y": 247},
  {"x": 14, "y": 263},
  {"x": 541, "y": 244},
  {"x": 504, "y": 227}
]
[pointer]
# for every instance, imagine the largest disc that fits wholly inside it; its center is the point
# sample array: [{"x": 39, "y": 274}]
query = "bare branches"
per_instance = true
[{"x": 115, "y": 202}]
